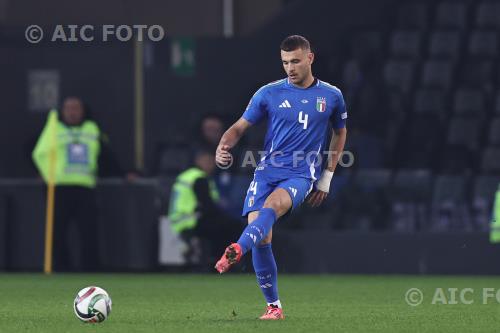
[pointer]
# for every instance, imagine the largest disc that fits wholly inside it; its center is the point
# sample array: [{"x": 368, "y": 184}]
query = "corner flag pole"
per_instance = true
[{"x": 49, "y": 217}]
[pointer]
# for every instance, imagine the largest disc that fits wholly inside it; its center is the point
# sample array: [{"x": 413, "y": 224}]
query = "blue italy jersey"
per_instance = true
[{"x": 299, "y": 125}]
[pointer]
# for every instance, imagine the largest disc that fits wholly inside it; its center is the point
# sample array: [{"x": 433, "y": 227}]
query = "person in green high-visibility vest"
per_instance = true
[
  {"x": 75, "y": 143},
  {"x": 194, "y": 212},
  {"x": 495, "y": 225}
]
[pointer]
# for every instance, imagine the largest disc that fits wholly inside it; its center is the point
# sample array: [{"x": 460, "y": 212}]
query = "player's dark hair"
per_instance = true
[{"x": 294, "y": 42}]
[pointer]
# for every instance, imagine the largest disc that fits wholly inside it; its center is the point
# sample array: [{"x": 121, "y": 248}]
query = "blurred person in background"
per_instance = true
[
  {"x": 194, "y": 212},
  {"x": 210, "y": 129},
  {"x": 80, "y": 151}
]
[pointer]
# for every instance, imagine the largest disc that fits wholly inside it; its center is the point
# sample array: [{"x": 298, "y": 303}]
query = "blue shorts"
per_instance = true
[{"x": 264, "y": 184}]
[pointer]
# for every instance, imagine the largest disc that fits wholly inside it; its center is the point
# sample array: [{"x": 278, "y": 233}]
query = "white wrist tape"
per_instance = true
[{"x": 323, "y": 184}]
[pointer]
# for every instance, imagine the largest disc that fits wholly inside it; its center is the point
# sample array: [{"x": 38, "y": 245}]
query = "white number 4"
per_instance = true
[
  {"x": 303, "y": 120},
  {"x": 253, "y": 188}
]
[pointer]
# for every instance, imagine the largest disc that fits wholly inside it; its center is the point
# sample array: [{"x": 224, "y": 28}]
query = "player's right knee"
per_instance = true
[
  {"x": 273, "y": 204},
  {"x": 278, "y": 205},
  {"x": 252, "y": 216},
  {"x": 267, "y": 239}
]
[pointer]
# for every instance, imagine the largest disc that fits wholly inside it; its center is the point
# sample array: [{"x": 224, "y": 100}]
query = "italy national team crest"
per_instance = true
[{"x": 321, "y": 104}]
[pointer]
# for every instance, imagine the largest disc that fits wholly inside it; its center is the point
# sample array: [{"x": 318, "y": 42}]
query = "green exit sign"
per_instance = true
[{"x": 182, "y": 53}]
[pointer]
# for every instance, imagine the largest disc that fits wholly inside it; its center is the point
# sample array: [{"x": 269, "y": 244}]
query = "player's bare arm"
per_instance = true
[
  {"x": 229, "y": 140},
  {"x": 335, "y": 152}
]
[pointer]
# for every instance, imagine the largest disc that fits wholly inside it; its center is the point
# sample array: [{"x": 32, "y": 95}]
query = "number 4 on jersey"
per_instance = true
[
  {"x": 253, "y": 188},
  {"x": 302, "y": 119}
]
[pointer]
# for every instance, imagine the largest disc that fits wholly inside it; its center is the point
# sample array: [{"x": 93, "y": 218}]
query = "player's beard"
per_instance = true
[
  {"x": 300, "y": 78},
  {"x": 297, "y": 80}
]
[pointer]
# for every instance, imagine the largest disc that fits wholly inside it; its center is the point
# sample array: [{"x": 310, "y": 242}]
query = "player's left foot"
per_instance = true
[
  {"x": 231, "y": 256},
  {"x": 273, "y": 313}
]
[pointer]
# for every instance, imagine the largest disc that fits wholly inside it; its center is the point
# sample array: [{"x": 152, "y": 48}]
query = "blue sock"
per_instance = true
[
  {"x": 265, "y": 268},
  {"x": 257, "y": 230}
]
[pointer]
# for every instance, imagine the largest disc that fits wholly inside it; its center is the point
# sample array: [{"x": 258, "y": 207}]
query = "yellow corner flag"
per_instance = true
[{"x": 45, "y": 155}]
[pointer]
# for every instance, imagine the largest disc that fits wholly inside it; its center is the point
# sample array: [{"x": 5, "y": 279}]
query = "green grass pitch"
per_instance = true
[{"x": 232, "y": 303}]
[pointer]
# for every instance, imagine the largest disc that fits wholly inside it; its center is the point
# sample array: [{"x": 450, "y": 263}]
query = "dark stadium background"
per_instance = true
[{"x": 422, "y": 84}]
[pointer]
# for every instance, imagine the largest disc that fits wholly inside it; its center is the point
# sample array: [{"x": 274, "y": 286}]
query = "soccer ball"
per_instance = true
[{"x": 92, "y": 305}]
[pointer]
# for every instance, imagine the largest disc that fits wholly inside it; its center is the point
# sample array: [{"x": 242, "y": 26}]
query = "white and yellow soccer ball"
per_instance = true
[{"x": 92, "y": 305}]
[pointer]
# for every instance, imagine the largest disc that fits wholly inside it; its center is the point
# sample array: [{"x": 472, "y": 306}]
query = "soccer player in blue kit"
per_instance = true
[{"x": 302, "y": 112}]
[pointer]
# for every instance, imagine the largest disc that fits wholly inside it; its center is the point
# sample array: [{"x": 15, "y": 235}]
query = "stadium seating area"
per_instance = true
[
  {"x": 424, "y": 95},
  {"x": 439, "y": 86},
  {"x": 424, "y": 100}
]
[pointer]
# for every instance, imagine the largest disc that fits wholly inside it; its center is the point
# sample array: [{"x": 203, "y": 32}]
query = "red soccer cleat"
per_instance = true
[
  {"x": 231, "y": 256},
  {"x": 272, "y": 313}
]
